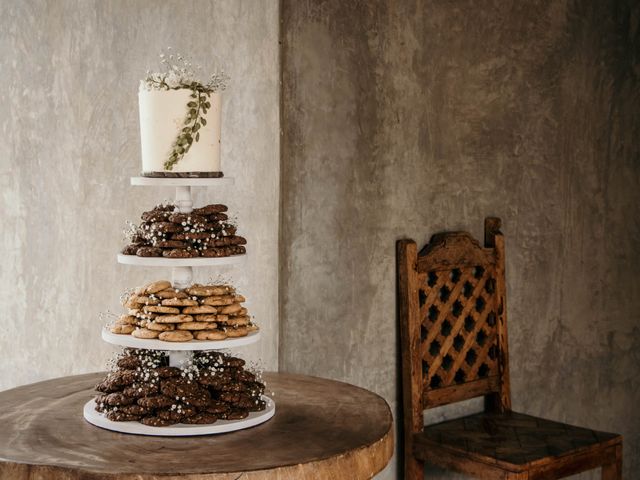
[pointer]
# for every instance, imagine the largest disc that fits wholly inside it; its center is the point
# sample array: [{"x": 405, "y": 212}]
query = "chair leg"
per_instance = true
[
  {"x": 413, "y": 468},
  {"x": 613, "y": 470}
]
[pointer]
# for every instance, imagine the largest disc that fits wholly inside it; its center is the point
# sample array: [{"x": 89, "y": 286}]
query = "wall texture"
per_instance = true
[
  {"x": 404, "y": 118},
  {"x": 69, "y": 121}
]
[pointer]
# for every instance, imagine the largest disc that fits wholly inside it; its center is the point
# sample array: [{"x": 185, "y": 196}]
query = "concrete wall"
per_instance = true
[
  {"x": 404, "y": 118},
  {"x": 69, "y": 121}
]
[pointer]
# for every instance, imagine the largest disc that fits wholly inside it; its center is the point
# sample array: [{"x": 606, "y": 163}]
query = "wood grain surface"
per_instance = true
[{"x": 322, "y": 429}]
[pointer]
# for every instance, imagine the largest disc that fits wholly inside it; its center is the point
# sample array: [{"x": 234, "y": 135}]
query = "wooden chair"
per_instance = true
[{"x": 452, "y": 306}]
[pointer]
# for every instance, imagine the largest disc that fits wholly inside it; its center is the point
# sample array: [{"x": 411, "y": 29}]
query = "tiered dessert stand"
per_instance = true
[{"x": 180, "y": 352}]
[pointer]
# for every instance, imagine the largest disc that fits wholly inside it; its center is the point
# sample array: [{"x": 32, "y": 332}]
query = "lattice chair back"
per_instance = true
[{"x": 453, "y": 321}]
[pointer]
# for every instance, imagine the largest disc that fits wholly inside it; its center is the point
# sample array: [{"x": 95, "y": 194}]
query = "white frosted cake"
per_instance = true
[
  {"x": 180, "y": 120},
  {"x": 162, "y": 114}
]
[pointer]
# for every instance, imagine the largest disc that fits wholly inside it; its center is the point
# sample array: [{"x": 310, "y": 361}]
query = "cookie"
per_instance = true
[
  {"x": 209, "y": 209},
  {"x": 233, "y": 387},
  {"x": 236, "y": 414},
  {"x": 217, "y": 217},
  {"x": 215, "y": 380},
  {"x": 141, "y": 390},
  {"x": 237, "y": 298},
  {"x": 130, "y": 250},
  {"x": 210, "y": 335},
  {"x": 216, "y": 252},
  {"x": 226, "y": 241},
  {"x": 118, "y": 416},
  {"x": 229, "y": 397},
  {"x": 160, "y": 327},
  {"x": 227, "y": 309},
  {"x": 129, "y": 362},
  {"x": 178, "y": 413},
  {"x": 160, "y": 309},
  {"x": 196, "y": 325},
  {"x": 257, "y": 406},
  {"x": 122, "y": 329},
  {"x": 149, "y": 252},
  {"x": 158, "y": 286},
  {"x": 201, "y": 419},
  {"x": 116, "y": 399},
  {"x": 210, "y": 317},
  {"x": 218, "y": 300},
  {"x": 170, "y": 244},
  {"x": 126, "y": 320},
  {"x": 237, "y": 332},
  {"x": 239, "y": 321},
  {"x": 155, "y": 401},
  {"x": 216, "y": 407},
  {"x": 179, "y": 253},
  {"x": 191, "y": 236},
  {"x": 245, "y": 376},
  {"x": 185, "y": 219},
  {"x": 176, "y": 336},
  {"x": 234, "y": 362},
  {"x": 173, "y": 318},
  {"x": 179, "y": 387},
  {"x": 135, "y": 410},
  {"x": 167, "y": 372},
  {"x": 138, "y": 301},
  {"x": 200, "y": 309},
  {"x": 155, "y": 216},
  {"x": 171, "y": 293},
  {"x": 144, "y": 333},
  {"x": 165, "y": 227},
  {"x": 157, "y": 422},
  {"x": 208, "y": 290},
  {"x": 179, "y": 302}
]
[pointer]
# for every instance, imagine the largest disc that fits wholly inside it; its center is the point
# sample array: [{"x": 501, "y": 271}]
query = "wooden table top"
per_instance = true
[{"x": 322, "y": 429}]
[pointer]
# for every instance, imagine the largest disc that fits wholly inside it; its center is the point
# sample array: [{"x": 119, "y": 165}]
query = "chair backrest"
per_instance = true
[{"x": 453, "y": 322}]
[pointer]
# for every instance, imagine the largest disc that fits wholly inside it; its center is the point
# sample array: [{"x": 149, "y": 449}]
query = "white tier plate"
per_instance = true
[
  {"x": 181, "y": 182},
  {"x": 153, "y": 344},
  {"x": 180, "y": 262},
  {"x": 180, "y": 429}
]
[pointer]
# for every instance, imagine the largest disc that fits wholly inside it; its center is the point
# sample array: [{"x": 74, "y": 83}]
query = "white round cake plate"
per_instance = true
[
  {"x": 180, "y": 262},
  {"x": 179, "y": 430},
  {"x": 181, "y": 182},
  {"x": 193, "y": 345}
]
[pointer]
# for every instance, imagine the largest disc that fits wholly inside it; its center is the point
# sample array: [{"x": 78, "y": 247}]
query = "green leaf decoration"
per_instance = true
[{"x": 193, "y": 121}]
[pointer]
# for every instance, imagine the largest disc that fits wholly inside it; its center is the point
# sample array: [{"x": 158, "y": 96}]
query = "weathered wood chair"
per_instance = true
[{"x": 452, "y": 307}]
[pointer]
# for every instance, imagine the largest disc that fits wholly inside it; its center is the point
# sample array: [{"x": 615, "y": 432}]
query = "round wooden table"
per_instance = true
[{"x": 322, "y": 429}]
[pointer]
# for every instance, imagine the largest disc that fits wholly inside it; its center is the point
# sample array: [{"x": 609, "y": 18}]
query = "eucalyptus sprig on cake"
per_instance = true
[{"x": 180, "y": 119}]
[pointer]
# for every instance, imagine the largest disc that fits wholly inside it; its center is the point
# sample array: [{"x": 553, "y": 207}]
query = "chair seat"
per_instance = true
[{"x": 511, "y": 440}]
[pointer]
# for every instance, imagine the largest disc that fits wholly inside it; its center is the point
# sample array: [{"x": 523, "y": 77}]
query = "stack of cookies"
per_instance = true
[
  {"x": 200, "y": 312},
  {"x": 165, "y": 232},
  {"x": 213, "y": 386}
]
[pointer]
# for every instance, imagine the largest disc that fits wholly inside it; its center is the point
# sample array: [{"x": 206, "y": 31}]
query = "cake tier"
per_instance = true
[
  {"x": 172, "y": 315},
  {"x": 207, "y": 388},
  {"x": 166, "y": 231},
  {"x": 162, "y": 118},
  {"x": 192, "y": 345},
  {"x": 179, "y": 430}
]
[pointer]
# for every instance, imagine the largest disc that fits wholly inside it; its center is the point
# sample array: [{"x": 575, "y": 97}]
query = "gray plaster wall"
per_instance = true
[
  {"x": 404, "y": 118},
  {"x": 70, "y": 71}
]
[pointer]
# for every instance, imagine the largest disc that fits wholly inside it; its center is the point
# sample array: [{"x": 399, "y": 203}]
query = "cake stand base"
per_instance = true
[{"x": 179, "y": 430}]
